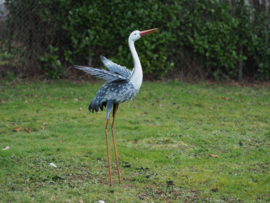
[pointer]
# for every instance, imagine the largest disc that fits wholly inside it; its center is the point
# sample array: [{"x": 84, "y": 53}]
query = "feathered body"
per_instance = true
[
  {"x": 121, "y": 83},
  {"x": 118, "y": 87},
  {"x": 118, "y": 92}
]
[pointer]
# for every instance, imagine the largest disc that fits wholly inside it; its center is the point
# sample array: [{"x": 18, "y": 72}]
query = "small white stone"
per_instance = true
[
  {"x": 6, "y": 148},
  {"x": 52, "y": 164}
]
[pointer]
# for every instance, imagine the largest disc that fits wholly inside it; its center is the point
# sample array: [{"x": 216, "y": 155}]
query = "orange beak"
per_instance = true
[{"x": 146, "y": 32}]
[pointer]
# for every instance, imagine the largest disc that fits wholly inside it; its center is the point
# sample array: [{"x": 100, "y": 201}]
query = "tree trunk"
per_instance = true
[{"x": 240, "y": 70}]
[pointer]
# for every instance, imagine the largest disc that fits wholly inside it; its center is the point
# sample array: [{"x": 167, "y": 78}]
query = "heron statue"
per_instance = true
[{"x": 121, "y": 85}]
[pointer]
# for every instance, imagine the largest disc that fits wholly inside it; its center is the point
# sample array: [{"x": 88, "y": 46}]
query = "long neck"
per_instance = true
[{"x": 137, "y": 76}]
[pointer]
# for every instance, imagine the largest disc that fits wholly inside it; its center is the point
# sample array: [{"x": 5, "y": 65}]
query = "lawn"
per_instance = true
[{"x": 176, "y": 142}]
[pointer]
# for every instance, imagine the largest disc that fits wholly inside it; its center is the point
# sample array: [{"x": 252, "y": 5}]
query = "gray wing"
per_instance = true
[
  {"x": 102, "y": 74},
  {"x": 113, "y": 67}
]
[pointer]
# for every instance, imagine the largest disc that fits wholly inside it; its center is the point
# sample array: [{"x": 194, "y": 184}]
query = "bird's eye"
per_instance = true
[{"x": 135, "y": 34}]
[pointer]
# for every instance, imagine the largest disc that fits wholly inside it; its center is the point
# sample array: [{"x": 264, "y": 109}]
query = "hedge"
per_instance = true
[{"x": 222, "y": 37}]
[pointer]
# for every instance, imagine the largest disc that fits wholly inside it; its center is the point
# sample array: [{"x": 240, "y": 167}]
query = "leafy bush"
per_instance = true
[
  {"x": 106, "y": 25},
  {"x": 52, "y": 64},
  {"x": 223, "y": 35},
  {"x": 218, "y": 36},
  {"x": 10, "y": 76},
  {"x": 258, "y": 48},
  {"x": 217, "y": 33}
]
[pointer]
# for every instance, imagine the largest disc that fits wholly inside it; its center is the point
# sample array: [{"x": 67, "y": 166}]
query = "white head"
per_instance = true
[{"x": 135, "y": 35}]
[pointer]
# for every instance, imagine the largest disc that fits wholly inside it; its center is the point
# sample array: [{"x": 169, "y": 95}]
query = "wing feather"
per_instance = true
[
  {"x": 115, "y": 68},
  {"x": 102, "y": 74}
]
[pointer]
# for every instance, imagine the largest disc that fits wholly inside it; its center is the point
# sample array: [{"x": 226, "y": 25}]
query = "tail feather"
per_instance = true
[
  {"x": 102, "y": 105},
  {"x": 95, "y": 106}
]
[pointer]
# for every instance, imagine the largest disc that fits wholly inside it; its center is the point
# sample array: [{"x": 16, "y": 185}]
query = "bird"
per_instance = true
[{"x": 121, "y": 85}]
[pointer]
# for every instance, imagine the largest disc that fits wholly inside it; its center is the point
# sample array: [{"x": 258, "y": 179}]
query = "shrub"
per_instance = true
[{"x": 217, "y": 36}]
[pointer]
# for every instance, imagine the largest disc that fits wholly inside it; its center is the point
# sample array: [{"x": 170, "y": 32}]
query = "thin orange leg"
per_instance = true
[
  {"x": 108, "y": 153},
  {"x": 115, "y": 151}
]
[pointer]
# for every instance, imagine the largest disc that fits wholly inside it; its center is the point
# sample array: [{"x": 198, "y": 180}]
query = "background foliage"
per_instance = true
[{"x": 197, "y": 39}]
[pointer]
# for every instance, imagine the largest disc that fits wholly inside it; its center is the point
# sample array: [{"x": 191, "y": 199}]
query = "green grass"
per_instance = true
[{"x": 166, "y": 139}]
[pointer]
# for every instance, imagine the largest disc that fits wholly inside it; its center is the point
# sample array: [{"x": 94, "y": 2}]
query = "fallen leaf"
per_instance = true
[
  {"x": 213, "y": 155},
  {"x": 29, "y": 130},
  {"x": 135, "y": 141},
  {"x": 18, "y": 129},
  {"x": 6, "y": 148},
  {"x": 45, "y": 123},
  {"x": 42, "y": 127},
  {"x": 75, "y": 99},
  {"x": 64, "y": 97},
  {"x": 13, "y": 123},
  {"x": 26, "y": 101},
  {"x": 60, "y": 141},
  {"x": 80, "y": 201},
  {"x": 80, "y": 108},
  {"x": 21, "y": 110}
]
